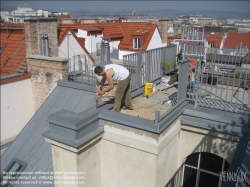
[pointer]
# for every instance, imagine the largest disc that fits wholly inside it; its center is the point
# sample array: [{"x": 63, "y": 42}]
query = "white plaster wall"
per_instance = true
[
  {"x": 167, "y": 157},
  {"x": 125, "y": 166},
  {"x": 125, "y": 156},
  {"x": 86, "y": 161},
  {"x": 200, "y": 140},
  {"x": 122, "y": 52},
  {"x": 74, "y": 47},
  {"x": 155, "y": 41},
  {"x": 114, "y": 44},
  {"x": 167, "y": 162},
  {"x": 90, "y": 41},
  {"x": 89, "y": 161},
  {"x": 16, "y": 108},
  {"x": 129, "y": 157}
]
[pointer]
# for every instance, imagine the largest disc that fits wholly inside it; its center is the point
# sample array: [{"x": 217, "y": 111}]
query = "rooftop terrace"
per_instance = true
[{"x": 219, "y": 82}]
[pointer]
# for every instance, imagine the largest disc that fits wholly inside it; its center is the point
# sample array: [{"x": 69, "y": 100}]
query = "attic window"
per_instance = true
[
  {"x": 137, "y": 43},
  {"x": 12, "y": 171},
  {"x": 1, "y": 48}
]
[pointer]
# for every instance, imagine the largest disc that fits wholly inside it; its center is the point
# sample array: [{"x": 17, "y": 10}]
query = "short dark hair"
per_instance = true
[{"x": 98, "y": 69}]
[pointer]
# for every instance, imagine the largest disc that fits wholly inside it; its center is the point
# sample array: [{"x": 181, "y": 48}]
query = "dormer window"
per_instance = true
[
  {"x": 1, "y": 48},
  {"x": 137, "y": 43}
]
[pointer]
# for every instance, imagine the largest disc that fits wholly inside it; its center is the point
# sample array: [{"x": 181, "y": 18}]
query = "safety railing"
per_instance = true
[
  {"x": 147, "y": 66},
  {"x": 81, "y": 70},
  {"x": 13, "y": 61},
  {"x": 18, "y": 56},
  {"x": 224, "y": 87},
  {"x": 215, "y": 55}
]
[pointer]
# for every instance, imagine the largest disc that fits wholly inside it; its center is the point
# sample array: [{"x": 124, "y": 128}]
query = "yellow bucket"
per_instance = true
[{"x": 148, "y": 88}]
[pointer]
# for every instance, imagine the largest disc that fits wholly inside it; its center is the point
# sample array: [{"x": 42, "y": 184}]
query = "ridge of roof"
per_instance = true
[
  {"x": 124, "y": 32},
  {"x": 64, "y": 34}
]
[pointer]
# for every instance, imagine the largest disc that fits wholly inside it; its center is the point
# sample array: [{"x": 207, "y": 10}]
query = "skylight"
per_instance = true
[
  {"x": 12, "y": 171},
  {"x": 1, "y": 48}
]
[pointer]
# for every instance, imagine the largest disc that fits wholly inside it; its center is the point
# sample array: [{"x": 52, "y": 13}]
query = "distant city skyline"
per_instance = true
[{"x": 237, "y": 6}]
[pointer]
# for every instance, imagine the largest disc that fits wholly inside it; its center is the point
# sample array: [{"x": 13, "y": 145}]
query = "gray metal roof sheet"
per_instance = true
[{"x": 30, "y": 146}]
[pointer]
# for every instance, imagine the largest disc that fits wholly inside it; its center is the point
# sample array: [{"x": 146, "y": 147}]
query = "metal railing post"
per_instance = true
[
  {"x": 182, "y": 81},
  {"x": 197, "y": 85},
  {"x": 138, "y": 72},
  {"x": 147, "y": 76}
]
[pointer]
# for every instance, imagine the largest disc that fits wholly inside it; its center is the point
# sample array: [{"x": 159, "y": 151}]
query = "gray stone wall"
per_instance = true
[
  {"x": 34, "y": 28},
  {"x": 163, "y": 29},
  {"x": 45, "y": 72}
]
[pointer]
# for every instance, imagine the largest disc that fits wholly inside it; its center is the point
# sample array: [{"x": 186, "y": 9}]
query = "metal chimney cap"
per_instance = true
[{"x": 105, "y": 38}]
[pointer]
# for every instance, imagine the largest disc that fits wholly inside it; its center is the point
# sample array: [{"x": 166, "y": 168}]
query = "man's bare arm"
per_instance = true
[
  {"x": 109, "y": 74},
  {"x": 98, "y": 89}
]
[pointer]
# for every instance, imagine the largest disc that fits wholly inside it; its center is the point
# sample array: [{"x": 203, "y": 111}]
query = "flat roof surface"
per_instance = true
[{"x": 145, "y": 107}]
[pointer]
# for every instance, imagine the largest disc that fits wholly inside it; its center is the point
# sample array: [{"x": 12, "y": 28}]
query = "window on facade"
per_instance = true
[
  {"x": 137, "y": 43},
  {"x": 1, "y": 48},
  {"x": 203, "y": 170},
  {"x": 11, "y": 173}
]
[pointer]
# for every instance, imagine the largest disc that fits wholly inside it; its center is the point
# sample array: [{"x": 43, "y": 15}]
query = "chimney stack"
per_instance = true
[{"x": 105, "y": 51}]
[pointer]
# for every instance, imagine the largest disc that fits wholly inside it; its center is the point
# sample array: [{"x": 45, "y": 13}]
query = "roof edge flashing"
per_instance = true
[
  {"x": 128, "y": 120},
  {"x": 73, "y": 129},
  {"x": 170, "y": 116},
  {"x": 55, "y": 58},
  {"x": 40, "y": 19},
  {"x": 76, "y": 86},
  {"x": 73, "y": 120},
  {"x": 76, "y": 143}
]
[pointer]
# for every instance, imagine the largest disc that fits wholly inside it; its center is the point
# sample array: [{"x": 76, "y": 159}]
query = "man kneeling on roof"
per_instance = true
[{"x": 115, "y": 73}]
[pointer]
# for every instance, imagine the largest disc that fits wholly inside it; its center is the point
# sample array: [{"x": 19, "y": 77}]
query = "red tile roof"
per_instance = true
[
  {"x": 126, "y": 31},
  {"x": 235, "y": 39},
  {"x": 214, "y": 39},
  {"x": 14, "y": 52}
]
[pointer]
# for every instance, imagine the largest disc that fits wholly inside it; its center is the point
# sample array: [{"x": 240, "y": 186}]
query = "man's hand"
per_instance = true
[
  {"x": 101, "y": 92},
  {"x": 98, "y": 90}
]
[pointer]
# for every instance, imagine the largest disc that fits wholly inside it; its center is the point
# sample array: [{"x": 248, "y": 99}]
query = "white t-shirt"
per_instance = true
[{"x": 120, "y": 72}]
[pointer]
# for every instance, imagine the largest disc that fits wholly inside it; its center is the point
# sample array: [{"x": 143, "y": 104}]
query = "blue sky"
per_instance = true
[{"x": 239, "y": 6}]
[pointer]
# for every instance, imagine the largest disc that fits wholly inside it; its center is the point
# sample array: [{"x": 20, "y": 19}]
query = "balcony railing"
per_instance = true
[
  {"x": 225, "y": 88},
  {"x": 81, "y": 70},
  {"x": 147, "y": 66}
]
